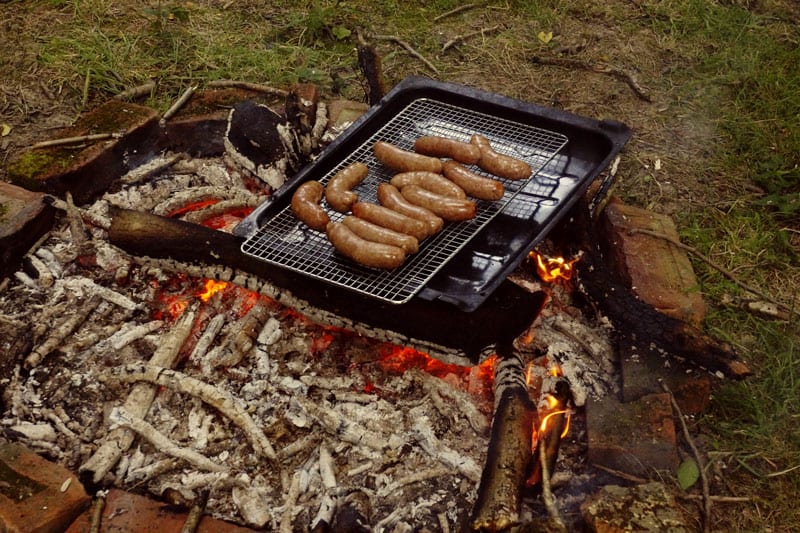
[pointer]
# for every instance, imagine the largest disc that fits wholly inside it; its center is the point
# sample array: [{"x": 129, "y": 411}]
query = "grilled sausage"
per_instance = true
[
  {"x": 451, "y": 209},
  {"x": 389, "y": 196},
  {"x": 364, "y": 252},
  {"x": 473, "y": 184},
  {"x": 444, "y": 147},
  {"x": 498, "y": 164},
  {"x": 373, "y": 232},
  {"x": 305, "y": 205},
  {"x": 398, "y": 159},
  {"x": 428, "y": 180},
  {"x": 338, "y": 193},
  {"x": 383, "y": 216}
]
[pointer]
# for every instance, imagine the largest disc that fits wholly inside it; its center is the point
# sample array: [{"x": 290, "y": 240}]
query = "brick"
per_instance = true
[
  {"x": 637, "y": 437},
  {"x": 87, "y": 170},
  {"x": 31, "y": 495},
  {"x": 641, "y": 371},
  {"x": 645, "y": 507},
  {"x": 24, "y": 218},
  {"x": 342, "y": 113},
  {"x": 658, "y": 272},
  {"x": 132, "y": 513}
]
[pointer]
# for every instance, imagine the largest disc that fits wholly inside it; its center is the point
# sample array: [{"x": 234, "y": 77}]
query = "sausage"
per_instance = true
[
  {"x": 428, "y": 180},
  {"x": 338, "y": 193},
  {"x": 389, "y": 196},
  {"x": 498, "y": 164},
  {"x": 383, "y": 216},
  {"x": 444, "y": 147},
  {"x": 364, "y": 252},
  {"x": 451, "y": 209},
  {"x": 373, "y": 232},
  {"x": 305, "y": 205},
  {"x": 403, "y": 161},
  {"x": 473, "y": 184}
]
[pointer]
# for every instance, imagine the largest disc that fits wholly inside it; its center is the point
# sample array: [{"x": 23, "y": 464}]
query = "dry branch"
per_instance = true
[
  {"x": 601, "y": 68},
  {"x": 459, "y": 9},
  {"x": 76, "y": 140},
  {"x": 410, "y": 49},
  {"x": 137, "y": 92},
  {"x": 221, "y": 400},
  {"x": 461, "y": 38},
  {"x": 255, "y": 87},
  {"x": 61, "y": 332},
  {"x": 179, "y": 103}
]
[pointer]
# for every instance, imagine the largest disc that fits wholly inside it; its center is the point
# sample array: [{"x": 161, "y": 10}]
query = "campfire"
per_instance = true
[{"x": 207, "y": 382}]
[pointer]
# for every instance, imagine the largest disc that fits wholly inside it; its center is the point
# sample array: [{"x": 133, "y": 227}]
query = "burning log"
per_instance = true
[
  {"x": 499, "y": 495},
  {"x": 432, "y": 326}
]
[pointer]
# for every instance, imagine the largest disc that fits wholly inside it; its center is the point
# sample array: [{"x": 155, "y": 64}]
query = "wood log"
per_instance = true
[{"x": 435, "y": 326}]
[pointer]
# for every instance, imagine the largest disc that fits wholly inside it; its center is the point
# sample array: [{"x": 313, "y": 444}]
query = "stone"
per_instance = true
[
  {"x": 642, "y": 370},
  {"x": 87, "y": 169},
  {"x": 35, "y": 494},
  {"x": 657, "y": 271},
  {"x": 637, "y": 438},
  {"x": 132, "y": 513},
  {"x": 24, "y": 218},
  {"x": 645, "y": 507}
]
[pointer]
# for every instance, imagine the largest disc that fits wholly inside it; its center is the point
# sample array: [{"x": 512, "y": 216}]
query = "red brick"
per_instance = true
[
  {"x": 31, "y": 495},
  {"x": 24, "y": 217},
  {"x": 637, "y": 437},
  {"x": 131, "y": 513},
  {"x": 88, "y": 169},
  {"x": 657, "y": 271}
]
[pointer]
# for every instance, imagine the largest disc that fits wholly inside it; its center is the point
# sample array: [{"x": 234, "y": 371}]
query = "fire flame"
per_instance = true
[
  {"x": 212, "y": 287},
  {"x": 552, "y": 269}
]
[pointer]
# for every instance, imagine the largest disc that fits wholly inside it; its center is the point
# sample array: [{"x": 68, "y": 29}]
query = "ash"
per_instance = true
[{"x": 281, "y": 423}]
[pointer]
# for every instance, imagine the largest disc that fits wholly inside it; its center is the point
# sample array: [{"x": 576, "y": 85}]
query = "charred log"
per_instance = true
[
  {"x": 636, "y": 322},
  {"x": 429, "y": 325},
  {"x": 370, "y": 64}
]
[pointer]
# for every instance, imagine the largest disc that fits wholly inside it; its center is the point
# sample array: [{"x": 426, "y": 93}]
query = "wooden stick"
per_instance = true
[
  {"x": 461, "y": 38},
  {"x": 696, "y": 454},
  {"x": 727, "y": 273},
  {"x": 136, "y": 92},
  {"x": 409, "y": 49},
  {"x": 61, "y": 332},
  {"x": 75, "y": 140},
  {"x": 601, "y": 68},
  {"x": 179, "y": 103},
  {"x": 459, "y": 9},
  {"x": 255, "y": 87},
  {"x": 97, "y": 512}
]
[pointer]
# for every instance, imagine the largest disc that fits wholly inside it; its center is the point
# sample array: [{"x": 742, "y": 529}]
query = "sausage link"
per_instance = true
[
  {"x": 339, "y": 192},
  {"x": 389, "y": 196},
  {"x": 372, "y": 232},
  {"x": 436, "y": 146},
  {"x": 451, "y": 209},
  {"x": 428, "y": 180},
  {"x": 383, "y": 216},
  {"x": 473, "y": 184},
  {"x": 364, "y": 252},
  {"x": 403, "y": 161},
  {"x": 498, "y": 164},
  {"x": 305, "y": 205}
]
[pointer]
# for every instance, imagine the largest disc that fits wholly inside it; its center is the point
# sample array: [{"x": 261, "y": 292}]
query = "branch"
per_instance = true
[
  {"x": 410, "y": 50},
  {"x": 459, "y": 9},
  {"x": 179, "y": 103},
  {"x": 601, "y": 68},
  {"x": 461, "y": 38}
]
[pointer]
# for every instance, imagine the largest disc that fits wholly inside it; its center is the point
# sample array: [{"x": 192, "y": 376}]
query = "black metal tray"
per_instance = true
[{"x": 472, "y": 272}]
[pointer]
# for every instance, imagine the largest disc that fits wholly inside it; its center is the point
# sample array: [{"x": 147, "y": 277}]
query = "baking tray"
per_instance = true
[{"x": 464, "y": 263}]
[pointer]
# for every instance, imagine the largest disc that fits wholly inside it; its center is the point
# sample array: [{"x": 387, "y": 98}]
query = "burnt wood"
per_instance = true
[{"x": 504, "y": 316}]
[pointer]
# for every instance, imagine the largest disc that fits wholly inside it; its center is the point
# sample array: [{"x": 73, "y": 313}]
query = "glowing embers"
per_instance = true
[
  {"x": 174, "y": 295},
  {"x": 552, "y": 269}
]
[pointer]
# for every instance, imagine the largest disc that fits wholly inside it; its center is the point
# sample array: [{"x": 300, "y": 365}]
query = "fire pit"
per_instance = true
[{"x": 163, "y": 359}]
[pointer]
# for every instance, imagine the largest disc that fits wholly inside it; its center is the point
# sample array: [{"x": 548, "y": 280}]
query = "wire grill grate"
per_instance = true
[{"x": 286, "y": 242}]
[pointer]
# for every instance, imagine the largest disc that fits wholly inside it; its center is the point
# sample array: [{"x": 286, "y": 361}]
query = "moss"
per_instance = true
[{"x": 25, "y": 170}]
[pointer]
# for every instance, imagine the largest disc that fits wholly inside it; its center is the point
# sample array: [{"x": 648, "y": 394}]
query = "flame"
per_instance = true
[
  {"x": 212, "y": 287},
  {"x": 192, "y": 207},
  {"x": 551, "y": 269}
]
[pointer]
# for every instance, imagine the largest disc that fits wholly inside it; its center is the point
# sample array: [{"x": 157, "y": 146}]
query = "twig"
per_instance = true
[
  {"x": 161, "y": 442},
  {"x": 459, "y": 9},
  {"x": 75, "y": 140},
  {"x": 195, "y": 515},
  {"x": 136, "y": 92},
  {"x": 61, "y": 332},
  {"x": 221, "y": 400},
  {"x": 97, "y": 512},
  {"x": 547, "y": 494},
  {"x": 601, "y": 68},
  {"x": 410, "y": 50},
  {"x": 622, "y": 475},
  {"x": 461, "y": 38},
  {"x": 179, "y": 103},
  {"x": 782, "y": 472},
  {"x": 720, "y": 499},
  {"x": 255, "y": 87},
  {"x": 727, "y": 273},
  {"x": 86, "y": 83},
  {"x": 696, "y": 453}
]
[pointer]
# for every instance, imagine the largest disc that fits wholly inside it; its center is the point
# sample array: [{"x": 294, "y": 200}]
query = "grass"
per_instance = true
[{"x": 727, "y": 69}]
